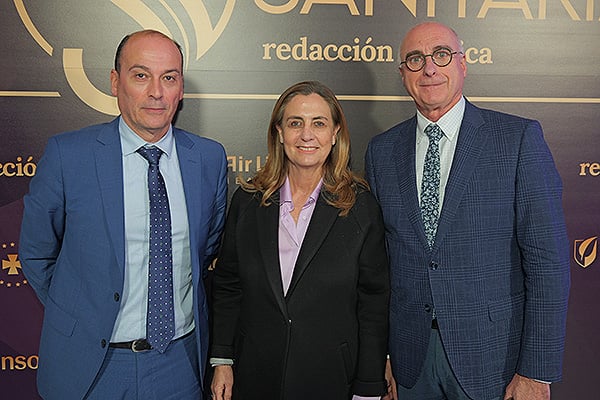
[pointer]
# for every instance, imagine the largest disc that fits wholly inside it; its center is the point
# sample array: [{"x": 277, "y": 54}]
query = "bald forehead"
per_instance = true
[
  {"x": 134, "y": 40},
  {"x": 149, "y": 33},
  {"x": 426, "y": 36}
]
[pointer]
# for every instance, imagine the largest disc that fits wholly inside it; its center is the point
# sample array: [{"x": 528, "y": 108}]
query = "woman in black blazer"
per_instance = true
[{"x": 301, "y": 287}]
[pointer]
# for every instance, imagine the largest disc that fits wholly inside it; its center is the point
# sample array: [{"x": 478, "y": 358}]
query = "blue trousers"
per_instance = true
[{"x": 150, "y": 375}]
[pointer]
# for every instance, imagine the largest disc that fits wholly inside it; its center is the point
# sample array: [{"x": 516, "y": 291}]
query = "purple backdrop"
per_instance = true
[{"x": 533, "y": 58}]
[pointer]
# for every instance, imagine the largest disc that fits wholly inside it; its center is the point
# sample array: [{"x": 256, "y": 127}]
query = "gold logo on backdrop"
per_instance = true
[
  {"x": 206, "y": 35},
  {"x": 19, "y": 363},
  {"x": 589, "y": 168},
  {"x": 11, "y": 275},
  {"x": 585, "y": 251}
]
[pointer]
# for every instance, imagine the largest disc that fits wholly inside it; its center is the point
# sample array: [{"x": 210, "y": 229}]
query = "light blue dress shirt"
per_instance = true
[{"x": 131, "y": 319}]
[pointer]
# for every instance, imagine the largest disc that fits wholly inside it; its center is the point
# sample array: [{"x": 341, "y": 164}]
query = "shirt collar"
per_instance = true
[
  {"x": 285, "y": 194},
  {"x": 449, "y": 123},
  {"x": 130, "y": 141}
]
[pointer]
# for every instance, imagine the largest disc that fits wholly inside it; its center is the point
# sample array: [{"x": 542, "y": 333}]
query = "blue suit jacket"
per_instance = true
[
  {"x": 73, "y": 253},
  {"x": 498, "y": 273}
]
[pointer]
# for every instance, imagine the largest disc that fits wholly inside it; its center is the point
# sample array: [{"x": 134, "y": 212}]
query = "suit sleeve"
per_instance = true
[
  {"x": 43, "y": 222},
  {"x": 543, "y": 242},
  {"x": 373, "y": 301},
  {"x": 369, "y": 172},
  {"x": 218, "y": 217},
  {"x": 227, "y": 288}
]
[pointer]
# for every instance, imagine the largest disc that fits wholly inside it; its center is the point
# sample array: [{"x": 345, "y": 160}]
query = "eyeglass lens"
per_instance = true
[{"x": 440, "y": 57}]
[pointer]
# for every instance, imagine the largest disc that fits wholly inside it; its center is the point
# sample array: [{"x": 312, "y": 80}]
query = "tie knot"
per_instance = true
[
  {"x": 434, "y": 132},
  {"x": 152, "y": 154}
]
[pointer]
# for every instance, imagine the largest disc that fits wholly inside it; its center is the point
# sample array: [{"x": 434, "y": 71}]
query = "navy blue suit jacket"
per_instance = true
[
  {"x": 498, "y": 273},
  {"x": 72, "y": 246}
]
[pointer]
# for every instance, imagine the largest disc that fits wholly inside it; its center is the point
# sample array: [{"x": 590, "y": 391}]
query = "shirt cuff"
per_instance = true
[{"x": 215, "y": 361}]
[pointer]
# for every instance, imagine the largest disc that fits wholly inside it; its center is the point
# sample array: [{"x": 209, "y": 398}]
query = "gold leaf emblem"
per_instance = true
[{"x": 585, "y": 251}]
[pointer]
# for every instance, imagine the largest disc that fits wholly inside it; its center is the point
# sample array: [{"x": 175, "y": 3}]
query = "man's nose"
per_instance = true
[
  {"x": 430, "y": 68},
  {"x": 156, "y": 89}
]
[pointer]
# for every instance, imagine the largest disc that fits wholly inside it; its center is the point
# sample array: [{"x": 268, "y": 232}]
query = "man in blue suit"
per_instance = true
[
  {"x": 85, "y": 240},
  {"x": 476, "y": 237}
]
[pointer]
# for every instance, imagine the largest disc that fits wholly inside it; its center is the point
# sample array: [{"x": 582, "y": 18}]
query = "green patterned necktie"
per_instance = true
[{"x": 430, "y": 186}]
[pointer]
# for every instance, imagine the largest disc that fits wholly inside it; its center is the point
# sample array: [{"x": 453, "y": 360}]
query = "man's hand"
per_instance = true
[
  {"x": 222, "y": 383},
  {"x": 523, "y": 388},
  {"x": 392, "y": 393}
]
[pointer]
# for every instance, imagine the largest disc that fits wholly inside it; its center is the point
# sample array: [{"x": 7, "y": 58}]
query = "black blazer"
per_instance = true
[{"x": 327, "y": 338}]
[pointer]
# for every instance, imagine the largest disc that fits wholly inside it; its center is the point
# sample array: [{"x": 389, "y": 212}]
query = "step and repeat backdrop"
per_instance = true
[{"x": 535, "y": 58}]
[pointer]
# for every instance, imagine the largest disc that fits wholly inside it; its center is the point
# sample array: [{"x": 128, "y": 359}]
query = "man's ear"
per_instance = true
[{"x": 114, "y": 80}]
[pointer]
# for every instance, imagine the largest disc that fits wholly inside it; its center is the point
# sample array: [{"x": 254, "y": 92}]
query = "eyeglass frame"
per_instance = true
[{"x": 450, "y": 51}]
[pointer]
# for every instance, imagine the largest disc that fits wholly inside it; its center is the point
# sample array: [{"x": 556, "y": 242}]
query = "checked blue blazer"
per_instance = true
[{"x": 498, "y": 272}]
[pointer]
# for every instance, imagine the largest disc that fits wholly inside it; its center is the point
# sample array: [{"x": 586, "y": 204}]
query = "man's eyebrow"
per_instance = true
[
  {"x": 442, "y": 47},
  {"x": 413, "y": 53},
  {"x": 145, "y": 68},
  {"x": 138, "y": 66},
  {"x": 436, "y": 48}
]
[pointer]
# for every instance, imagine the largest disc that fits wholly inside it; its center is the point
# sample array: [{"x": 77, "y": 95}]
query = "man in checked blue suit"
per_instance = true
[
  {"x": 87, "y": 248},
  {"x": 476, "y": 238}
]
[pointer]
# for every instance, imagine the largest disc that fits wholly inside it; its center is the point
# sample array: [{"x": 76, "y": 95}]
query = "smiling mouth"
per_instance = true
[
  {"x": 303, "y": 148},
  {"x": 154, "y": 109},
  {"x": 434, "y": 84}
]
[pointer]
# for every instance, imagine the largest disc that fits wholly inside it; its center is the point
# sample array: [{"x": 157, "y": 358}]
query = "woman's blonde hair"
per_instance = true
[{"x": 340, "y": 184}]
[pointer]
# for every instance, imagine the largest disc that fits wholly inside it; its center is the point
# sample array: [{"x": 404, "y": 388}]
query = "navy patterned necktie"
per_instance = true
[
  {"x": 160, "y": 320},
  {"x": 430, "y": 186}
]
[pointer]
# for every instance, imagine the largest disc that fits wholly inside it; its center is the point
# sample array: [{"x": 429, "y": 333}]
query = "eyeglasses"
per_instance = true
[{"x": 440, "y": 57}]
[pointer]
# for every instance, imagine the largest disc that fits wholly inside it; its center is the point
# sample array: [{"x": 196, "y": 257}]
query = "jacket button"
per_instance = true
[
  {"x": 103, "y": 343},
  {"x": 427, "y": 308},
  {"x": 433, "y": 265},
  {"x": 117, "y": 297}
]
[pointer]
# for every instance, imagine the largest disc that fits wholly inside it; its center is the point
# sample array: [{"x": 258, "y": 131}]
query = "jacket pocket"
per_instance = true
[
  {"x": 59, "y": 319},
  {"x": 506, "y": 308}
]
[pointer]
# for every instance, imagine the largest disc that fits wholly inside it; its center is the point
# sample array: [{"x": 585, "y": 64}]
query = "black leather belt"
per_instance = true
[
  {"x": 139, "y": 345},
  {"x": 136, "y": 346},
  {"x": 434, "y": 324}
]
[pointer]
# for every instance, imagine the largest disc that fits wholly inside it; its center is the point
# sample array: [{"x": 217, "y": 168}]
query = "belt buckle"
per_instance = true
[{"x": 139, "y": 345}]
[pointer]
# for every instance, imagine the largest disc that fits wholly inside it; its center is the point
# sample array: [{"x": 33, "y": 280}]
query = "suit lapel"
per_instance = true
[
  {"x": 407, "y": 177},
  {"x": 109, "y": 167},
  {"x": 320, "y": 224},
  {"x": 268, "y": 227},
  {"x": 190, "y": 165},
  {"x": 471, "y": 140}
]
